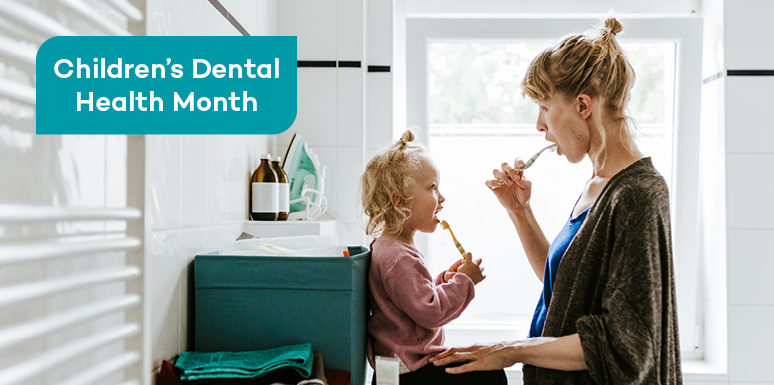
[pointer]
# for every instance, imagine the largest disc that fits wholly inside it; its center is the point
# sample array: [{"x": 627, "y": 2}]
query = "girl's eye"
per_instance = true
[{"x": 432, "y": 187}]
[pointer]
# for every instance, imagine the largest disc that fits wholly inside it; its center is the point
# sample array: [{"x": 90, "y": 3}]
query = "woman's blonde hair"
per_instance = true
[
  {"x": 593, "y": 64},
  {"x": 390, "y": 171}
]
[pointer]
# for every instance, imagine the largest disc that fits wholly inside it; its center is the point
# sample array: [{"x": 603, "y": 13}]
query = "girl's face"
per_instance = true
[
  {"x": 425, "y": 200},
  {"x": 565, "y": 124}
]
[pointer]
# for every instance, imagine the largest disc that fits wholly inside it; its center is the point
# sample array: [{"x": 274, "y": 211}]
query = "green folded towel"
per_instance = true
[{"x": 253, "y": 364}]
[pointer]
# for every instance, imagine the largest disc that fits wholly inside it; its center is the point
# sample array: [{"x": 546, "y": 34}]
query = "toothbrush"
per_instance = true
[
  {"x": 534, "y": 157},
  {"x": 456, "y": 242}
]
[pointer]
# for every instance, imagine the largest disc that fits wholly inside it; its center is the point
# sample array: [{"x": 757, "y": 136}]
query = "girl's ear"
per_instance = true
[
  {"x": 396, "y": 199},
  {"x": 585, "y": 105}
]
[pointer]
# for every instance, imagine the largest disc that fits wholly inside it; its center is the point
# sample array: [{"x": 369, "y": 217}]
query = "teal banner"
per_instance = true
[{"x": 166, "y": 85}]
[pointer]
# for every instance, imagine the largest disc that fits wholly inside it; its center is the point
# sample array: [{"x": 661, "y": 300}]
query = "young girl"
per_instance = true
[{"x": 400, "y": 196}]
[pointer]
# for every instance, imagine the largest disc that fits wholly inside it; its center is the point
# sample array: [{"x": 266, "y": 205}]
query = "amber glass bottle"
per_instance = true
[
  {"x": 264, "y": 192},
  {"x": 284, "y": 189}
]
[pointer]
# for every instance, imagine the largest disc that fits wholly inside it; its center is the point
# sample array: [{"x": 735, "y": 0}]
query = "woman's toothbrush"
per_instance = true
[
  {"x": 456, "y": 242},
  {"x": 534, "y": 157}
]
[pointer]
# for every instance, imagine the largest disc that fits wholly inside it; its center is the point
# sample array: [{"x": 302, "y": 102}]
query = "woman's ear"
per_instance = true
[{"x": 584, "y": 105}]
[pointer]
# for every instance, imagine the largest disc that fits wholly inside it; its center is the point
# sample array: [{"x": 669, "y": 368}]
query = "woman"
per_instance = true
[{"x": 607, "y": 314}]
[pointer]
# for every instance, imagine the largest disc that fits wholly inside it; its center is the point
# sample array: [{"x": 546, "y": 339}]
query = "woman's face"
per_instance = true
[{"x": 563, "y": 123}]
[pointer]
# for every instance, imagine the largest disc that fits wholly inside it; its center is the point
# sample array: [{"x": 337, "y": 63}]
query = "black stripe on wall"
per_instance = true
[
  {"x": 223, "y": 11},
  {"x": 378, "y": 68},
  {"x": 750, "y": 72},
  {"x": 316, "y": 63},
  {"x": 713, "y": 77},
  {"x": 349, "y": 64}
]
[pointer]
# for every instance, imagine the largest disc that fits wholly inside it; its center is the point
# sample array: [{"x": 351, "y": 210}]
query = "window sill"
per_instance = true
[{"x": 696, "y": 370}]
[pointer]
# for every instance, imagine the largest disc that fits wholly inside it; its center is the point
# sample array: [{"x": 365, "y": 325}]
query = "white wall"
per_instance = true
[
  {"x": 749, "y": 188},
  {"x": 547, "y": 7},
  {"x": 345, "y": 114},
  {"x": 196, "y": 185}
]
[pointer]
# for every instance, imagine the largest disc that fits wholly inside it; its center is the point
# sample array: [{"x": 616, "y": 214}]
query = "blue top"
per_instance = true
[{"x": 555, "y": 254}]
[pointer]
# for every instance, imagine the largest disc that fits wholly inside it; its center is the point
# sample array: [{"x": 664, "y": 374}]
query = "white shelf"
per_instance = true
[{"x": 325, "y": 225}]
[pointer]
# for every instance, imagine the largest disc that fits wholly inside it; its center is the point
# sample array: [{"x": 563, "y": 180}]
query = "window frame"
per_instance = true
[{"x": 686, "y": 33}]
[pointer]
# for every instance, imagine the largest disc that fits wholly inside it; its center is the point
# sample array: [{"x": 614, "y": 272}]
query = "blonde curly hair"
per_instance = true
[
  {"x": 593, "y": 64},
  {"x": 390, "y": 171}
]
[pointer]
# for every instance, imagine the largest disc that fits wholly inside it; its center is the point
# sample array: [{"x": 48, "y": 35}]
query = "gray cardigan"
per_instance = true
[{"x": 615, "y": 287}]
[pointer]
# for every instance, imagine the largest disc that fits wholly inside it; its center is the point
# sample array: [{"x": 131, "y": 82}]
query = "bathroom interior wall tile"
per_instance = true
[
  {"x": 316, "y": 117},
  {"x": 379, "y": 109},
  {"x": 201, "y": 18},
  {"x": 352, "y": 235},
  {"x": 257, "y": 17},
  {"x": 351, "y": 124},
  {"x": 328, "y": 156},
  {"x": 379, "y": 32},
  {"x": 750, "y": 338},
  {"x": 747, "y": 24},
  {"x": 350, "y": 23},
  {"x": 81, "y": 159},
  {"x": 350, "y": 168},
  {"x": 749, "y": 116},
  {"x": 746, "y": 285},
  {"x": 239, "y": 172},
  {"x": 750, "y": 187},
  {"x": 217, "y": 179},
  {"x": 218, "y": 236},
  {"x": 163, "y": 293},
  {"x": 163, "y": 181},
  {"x": 115, "y": 171},
  {"x": 186, "y": 18},
  {"x": 314, "y": 22},
  {"x": 193, "y": 194}
]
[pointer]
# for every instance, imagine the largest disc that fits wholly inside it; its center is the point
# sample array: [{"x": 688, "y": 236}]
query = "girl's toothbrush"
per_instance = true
[
  {"x": 534, "y": 157},
  {"x": 456, "y": 242}
]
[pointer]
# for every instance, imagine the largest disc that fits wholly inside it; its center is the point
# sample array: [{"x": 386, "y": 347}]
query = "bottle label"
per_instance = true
[
  {"x": 265, "y": 197},
  {"x": 284, "y": 197}
]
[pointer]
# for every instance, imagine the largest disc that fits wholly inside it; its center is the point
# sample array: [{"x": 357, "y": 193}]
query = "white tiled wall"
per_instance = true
[
  {"x": 196, "y": 185},
  {"x": 737, "y": 189},
  {"x": 748, "y": 23},
  {"x": 332, "y": 102}
]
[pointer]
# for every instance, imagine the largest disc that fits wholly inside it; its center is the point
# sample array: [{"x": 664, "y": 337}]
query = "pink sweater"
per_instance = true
[{"x": 408, "y": 306}]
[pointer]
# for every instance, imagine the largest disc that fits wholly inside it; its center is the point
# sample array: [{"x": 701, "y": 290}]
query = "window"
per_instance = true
[{"x": 462, "y": 88}]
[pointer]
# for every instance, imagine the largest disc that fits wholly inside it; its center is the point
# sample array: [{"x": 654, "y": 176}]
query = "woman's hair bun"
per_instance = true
[
  {"x": 613, "y": 25},
  {"x": 407, "y": 136}
]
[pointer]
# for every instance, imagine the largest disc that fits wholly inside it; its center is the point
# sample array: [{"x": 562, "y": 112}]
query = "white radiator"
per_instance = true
[
  {"x": 71, "y": 283},
  {"x": 69, "y": 296}
]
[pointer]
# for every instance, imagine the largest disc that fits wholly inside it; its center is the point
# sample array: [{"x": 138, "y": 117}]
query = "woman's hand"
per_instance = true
[
  {"x": 559, "y": 353},
  {"x": 510, "y": 187},
  {"x": 477, "y": 358}
]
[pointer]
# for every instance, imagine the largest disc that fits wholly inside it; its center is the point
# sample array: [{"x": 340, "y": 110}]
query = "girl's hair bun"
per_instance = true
[
  {"x": 408, "y": 136},
  {"x": 613, "y": 25}
]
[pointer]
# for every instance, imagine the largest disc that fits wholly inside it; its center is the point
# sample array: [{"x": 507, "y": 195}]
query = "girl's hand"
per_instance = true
[
  {"x": 510, "y": 187},
  {"x": 472, "y": 269},
  {"x": 452, "y": 270}
]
